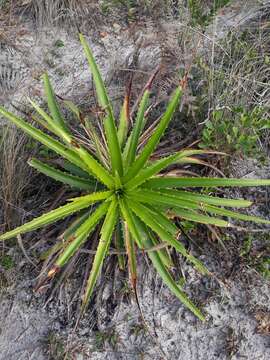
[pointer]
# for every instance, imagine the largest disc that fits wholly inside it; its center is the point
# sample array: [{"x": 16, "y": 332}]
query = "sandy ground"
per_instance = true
[{"x": 237, "y": 305}]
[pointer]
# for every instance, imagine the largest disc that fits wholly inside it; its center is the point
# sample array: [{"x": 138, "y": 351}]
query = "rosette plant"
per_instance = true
[{"x": 122, "y": 186}]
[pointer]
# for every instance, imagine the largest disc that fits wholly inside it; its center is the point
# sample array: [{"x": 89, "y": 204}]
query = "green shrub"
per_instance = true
[
  {"x": 124, "y": 195},
  {"x": 237, "y": 131},
  {"x": 236, "y": 91}
]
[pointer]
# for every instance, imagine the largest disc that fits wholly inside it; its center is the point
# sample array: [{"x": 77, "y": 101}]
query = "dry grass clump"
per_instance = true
[
  {"x": 236, "y": 80},
  {"x": 52, "y": 12},
  {"x": 238, "y": 72},
  {"x": 15, "y": 175},
  {"x": 76, "y": 12},
  {"x": 150, "y": 8}
]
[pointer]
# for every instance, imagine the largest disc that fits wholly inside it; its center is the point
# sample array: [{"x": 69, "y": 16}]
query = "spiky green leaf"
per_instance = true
[
  {"x": 81, "y": 234},
  {"x": 130, "y": 249},
  {"x": 154, "y": 223},
  {"x": 102, "y": 249},
  {"x": 139, "y": 233},
  {"x": 51, "y": 123},
  {"x": 151, "y": 170},
  {"x": 75, "y": 224},
  {"x": 234, "y": 215},
  {"x": 58, "y": 175},
  {"x": 153, "y": 141},
  {"x": 137, "y": 129},
  {"x": 199, "y": 218},
  {"x": 206, "y": 199},
  {"x": 45, "y": 139},
  {"x": 171, "y": 182},
  {"x": 123, "y": 122},
  {"x": 57, "y": 214},
  {"x": 52, "y": 104},
  {"x": 103, "y": 100}
]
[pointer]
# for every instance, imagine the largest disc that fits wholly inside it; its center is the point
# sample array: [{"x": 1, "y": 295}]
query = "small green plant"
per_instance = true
[
  {"x": 109, "y": 336},
  {"x": 237, "y": 131},
  {"x": 263, "y": 267},
  {"x": 136, "y": 203},
  {"x": 138, "y": 329},
  {"x": 55, "y": 347},
  {"x": 6, "y": 262},
  {"x": 59, "y": 43},
  {"x": 257, "y": 259}
]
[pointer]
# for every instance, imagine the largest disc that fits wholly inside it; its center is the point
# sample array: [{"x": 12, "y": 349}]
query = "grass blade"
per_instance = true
[
  {"x": 101, "y": 152},
  {"x": 73, "y": 108},
  {"x": 94, "y": 167},
  {"x": 125, "y": 116},
  {"x": 65, "y": 236},
  {"x": 172, "y": 285},
  {"x": 100, "y": 87},
  {"x": 185, "y": 214},
  {"x": 161, "y": 164},
  {"x": 43, "y": 123},
  {"x": 91, "y": 163}
]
